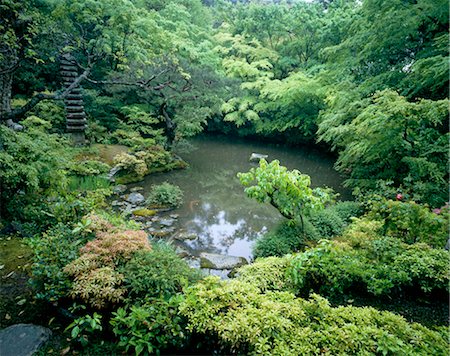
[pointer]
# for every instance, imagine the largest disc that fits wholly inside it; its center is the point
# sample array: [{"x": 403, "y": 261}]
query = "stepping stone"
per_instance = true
[
  {"x": 22, "y": 339},
  {"x": 135, "y": 198}
]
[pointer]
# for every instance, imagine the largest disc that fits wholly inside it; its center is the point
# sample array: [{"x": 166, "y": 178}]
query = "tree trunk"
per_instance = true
[
  {"x": 170, "y": 127},
  {"x": 6, "y": 78}
]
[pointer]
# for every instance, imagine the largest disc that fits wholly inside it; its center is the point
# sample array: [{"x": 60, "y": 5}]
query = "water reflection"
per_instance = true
[{"x": 215, "y": 205}]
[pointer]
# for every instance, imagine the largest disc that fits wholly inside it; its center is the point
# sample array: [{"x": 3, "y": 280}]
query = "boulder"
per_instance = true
[
  {"x": 135, "y": 198},
  {"x": 184, "y": 236},
  {"x": 167, "y": 222},
  {"x": 136, "y": 189},
  {"x": 192, "y": 262},
  {"x": 216, "y": 261},
  {"x": 120, "y": 189},
  {"x": 112, "y": 173},
  {"x": 181, "y": 252},
  {"x": 23, "y": 339},
  {"x": 255, "y": 157}
]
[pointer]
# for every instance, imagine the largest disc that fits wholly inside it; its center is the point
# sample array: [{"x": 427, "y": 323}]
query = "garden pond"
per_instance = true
[{"x": 216, "y": 208}]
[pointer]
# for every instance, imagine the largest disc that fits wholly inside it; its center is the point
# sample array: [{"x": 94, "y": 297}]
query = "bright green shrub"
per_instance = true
[
  {"x": 165, "y": 195},
  {"x": 286, "y": 238},
  {"x": 159, "y": 272},
  {"x": 266, "y": 273},
  {"x": 246, "y": 321},
  {"x": 412, "y": 222},
  {"x": 89, "y": 167},
  {"x": 132, "y": 169},
  {"x": 151, "y": 327}
]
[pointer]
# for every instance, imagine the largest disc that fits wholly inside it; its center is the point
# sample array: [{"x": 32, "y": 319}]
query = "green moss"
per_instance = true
[
  {"x": 14, "y": 255},
  {"x": 144, "y": 212},
  {"x": 129, "y": 178},
  {"x": 205, "y": 263}
]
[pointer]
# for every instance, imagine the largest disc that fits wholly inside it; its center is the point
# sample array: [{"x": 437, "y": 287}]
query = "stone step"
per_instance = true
[
  {"x": 75, "y": 108},
  {"x": 76, "y": 127},
  {"x": 68, "y": 68},
  {"x": 75, "y": 115},
  {"x": 73, "y": 102},
  {"x": 76, "y": 97},
  {"x": 73, "y": 122},
  {"x": 66, "y": 73}
]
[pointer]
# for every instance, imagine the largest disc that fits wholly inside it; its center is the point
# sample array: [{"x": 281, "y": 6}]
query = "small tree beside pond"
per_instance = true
[{"x": 289, "y": 192}]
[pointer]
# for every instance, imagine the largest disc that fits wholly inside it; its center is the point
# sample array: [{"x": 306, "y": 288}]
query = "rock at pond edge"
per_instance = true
[{"x": 216, "y": 261}]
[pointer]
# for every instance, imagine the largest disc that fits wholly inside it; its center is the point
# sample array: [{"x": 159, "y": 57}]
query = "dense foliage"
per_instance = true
[
  {"x": 366, "y": 79},
  {"x": 246, "y": 320}
]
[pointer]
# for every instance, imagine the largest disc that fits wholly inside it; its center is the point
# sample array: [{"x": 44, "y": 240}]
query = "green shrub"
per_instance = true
[
  {"x": 131, "y": 168},
  {"x": 380, "y": 266},
  {"x": 85, "y": 326},
  {"x": 327, "y": 223},
  {"x": 159, "y": 272},
  {"x": 52, "y": 252},
  {"x": 246, "y": 321},
  {"x": 346, "y": 210},
  {"x": 165, "y": 195},
  {"x": 266, "y": 273},
  {"x": 32, "y": 164},
  {"x": 412, "y": 222},
  {"x": 285, "y": 238},
  {"x": 89, "y": 167},
  {"x": 151, "y": 327}
]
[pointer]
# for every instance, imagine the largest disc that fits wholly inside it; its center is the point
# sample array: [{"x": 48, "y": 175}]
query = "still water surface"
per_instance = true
[{"x": 215, "y": 205}]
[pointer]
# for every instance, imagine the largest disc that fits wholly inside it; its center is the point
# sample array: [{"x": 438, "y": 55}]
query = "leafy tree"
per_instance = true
[
  {"x": 287, "y": 191},
  {"x": 393, "y": 139}
]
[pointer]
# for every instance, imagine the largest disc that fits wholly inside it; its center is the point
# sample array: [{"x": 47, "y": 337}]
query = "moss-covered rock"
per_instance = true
[{"x": 143, "y": 212}]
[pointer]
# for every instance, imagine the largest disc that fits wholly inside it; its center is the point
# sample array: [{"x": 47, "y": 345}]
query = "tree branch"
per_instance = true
[{"x": 36, "y": 99}]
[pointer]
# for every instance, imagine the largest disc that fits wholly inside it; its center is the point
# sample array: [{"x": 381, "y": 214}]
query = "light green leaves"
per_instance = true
[{"x": 288, "y": 191}]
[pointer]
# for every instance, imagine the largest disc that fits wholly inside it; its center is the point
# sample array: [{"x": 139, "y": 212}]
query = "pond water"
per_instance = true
[{"x": 215, "y": 206}]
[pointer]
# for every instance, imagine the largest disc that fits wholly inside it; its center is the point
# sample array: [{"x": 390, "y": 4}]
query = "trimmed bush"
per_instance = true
[
  {"x": 382, "y": 266},
  {"x": 267, "y": 273},
  {"x": 165, "y": 195},
  {"x": 327, "y": 223},
  {"x": 246, "y": 321},
  {"x": 159, "y": 272},
  {"x": 346, "y": 210}
]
